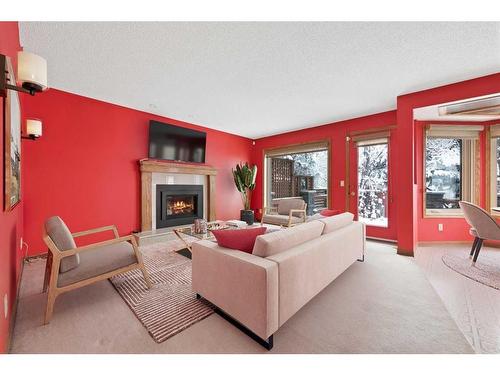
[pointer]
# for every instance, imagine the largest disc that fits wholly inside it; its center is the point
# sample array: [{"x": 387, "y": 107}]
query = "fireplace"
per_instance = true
[{"x": 178, "y": 204}]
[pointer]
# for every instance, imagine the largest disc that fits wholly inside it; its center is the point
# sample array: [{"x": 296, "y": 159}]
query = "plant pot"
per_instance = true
[{"x": 247, "y": 216}]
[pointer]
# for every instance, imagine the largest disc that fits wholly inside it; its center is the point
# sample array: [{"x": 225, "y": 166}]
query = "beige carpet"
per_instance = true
[
  {"x": 170, "y": 306},
  {"x": 384, "y": 305}
]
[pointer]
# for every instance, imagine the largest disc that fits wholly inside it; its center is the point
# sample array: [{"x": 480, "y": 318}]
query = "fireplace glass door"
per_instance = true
[{"x": 178, "y": 204}]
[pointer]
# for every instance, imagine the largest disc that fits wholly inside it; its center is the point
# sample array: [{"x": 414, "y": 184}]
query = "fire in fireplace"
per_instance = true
[{"x": 178, "y": 204}]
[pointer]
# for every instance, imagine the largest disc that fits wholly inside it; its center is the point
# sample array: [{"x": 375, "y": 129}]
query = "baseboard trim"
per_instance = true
[
  {"x": 13, "y": 313},
  {"x": 381, "y": 239},
  {"x": 488, "y": 243}
]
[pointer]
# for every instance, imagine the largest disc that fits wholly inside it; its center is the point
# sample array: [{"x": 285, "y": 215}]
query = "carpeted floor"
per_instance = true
[
  {"x": 384, "y": 305},
  {"x": 475, "y": 307}
]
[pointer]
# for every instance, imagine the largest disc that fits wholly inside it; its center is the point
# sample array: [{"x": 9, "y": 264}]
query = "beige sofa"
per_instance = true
[{"x": 287, "y": 268}]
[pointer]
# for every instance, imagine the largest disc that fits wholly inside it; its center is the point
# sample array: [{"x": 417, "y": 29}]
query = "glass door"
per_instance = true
[
  {"x": 372, "y": 184},
  {"x": 369, "y": 185}
]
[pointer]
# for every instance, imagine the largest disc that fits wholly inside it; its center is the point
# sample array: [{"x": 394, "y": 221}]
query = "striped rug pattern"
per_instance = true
[{"x": 170, "y": 306}]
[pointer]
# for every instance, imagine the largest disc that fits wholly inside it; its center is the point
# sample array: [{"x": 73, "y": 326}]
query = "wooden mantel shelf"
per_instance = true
[
  {"x": 150, "y": 166},
  {"x": 159, "y": 166}
]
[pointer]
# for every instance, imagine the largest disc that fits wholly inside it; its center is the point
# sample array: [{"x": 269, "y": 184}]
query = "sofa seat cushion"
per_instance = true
[
  {"x": 99, "y": 261},
  {"x": 285, "y": 205},
  {"x": 281, "y": 219},
  {"x": 336, "y": 222},
  {"x": 276, "y": 242},
  {"x": 62, "y": 238},
  {"x": 238, "y": 239}
]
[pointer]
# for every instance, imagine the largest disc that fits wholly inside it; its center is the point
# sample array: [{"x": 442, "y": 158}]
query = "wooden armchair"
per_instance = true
[
  {"x": 70, "y": 267},
  {"x": 288, "y": 212}
]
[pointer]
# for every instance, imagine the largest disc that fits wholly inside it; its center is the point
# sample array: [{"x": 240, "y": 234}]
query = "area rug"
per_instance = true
[
  {"x": 170, "y": 306},
  {"x": 486, "y": 271}
]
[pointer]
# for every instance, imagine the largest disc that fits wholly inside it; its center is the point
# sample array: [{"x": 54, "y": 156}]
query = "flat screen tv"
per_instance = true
[{"x": 170, "y": 142}]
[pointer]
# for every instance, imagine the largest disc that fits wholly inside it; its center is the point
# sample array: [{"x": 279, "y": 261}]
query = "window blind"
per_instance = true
[{"x": 455, "y": 131}]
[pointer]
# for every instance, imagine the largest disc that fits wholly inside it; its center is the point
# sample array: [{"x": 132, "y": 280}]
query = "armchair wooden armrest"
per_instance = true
[
  {"x": 265, "y": 210},
  {"x": 97, "y": 230},
  {"x": 294, "y": 210},
  {"x": 269, "y": 208}
]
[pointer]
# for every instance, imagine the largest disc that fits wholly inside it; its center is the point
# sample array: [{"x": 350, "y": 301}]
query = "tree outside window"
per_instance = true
[
  {"x": 443, "y": 173},
  {"x": 372, "y": 184}
]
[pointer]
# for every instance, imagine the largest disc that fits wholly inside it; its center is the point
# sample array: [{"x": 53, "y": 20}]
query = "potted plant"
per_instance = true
[{"x": 244, "y": 179}]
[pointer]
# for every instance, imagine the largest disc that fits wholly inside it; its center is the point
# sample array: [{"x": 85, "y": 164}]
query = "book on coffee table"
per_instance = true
[{"x": 236, "y": 223}]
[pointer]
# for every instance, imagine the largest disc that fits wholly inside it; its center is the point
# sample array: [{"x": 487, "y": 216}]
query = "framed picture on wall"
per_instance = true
[{"x": 12, "y": 143}]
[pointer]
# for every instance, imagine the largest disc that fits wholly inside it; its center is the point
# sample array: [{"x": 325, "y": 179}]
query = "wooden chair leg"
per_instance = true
[
  {"x": 478, "y": 249},
  {"x": 51, "y": 299},
  {"x": 146, "y": 276},
  {"x": 48, "y": 269},
  {"x": 138, "y": 255},
  {"x": 474, "y": 244},
  {"x": 55, "y": 263}
]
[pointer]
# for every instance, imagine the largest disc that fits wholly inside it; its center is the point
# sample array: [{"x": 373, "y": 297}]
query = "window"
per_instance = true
[
  {"x": 494, "y": 160},
  {"x": 300, "y": 170},
  {"x": 450, "y": 168}
]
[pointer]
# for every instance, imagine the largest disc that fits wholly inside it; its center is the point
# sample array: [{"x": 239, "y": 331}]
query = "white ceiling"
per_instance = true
[{"x": 257, "y": 79}]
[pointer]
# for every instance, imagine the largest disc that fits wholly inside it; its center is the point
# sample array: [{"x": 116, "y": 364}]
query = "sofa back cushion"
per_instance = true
[
  {"x": 336, "y": 222},
  {"x": 62, "y": 238},
  {"x": 276, "y": 242},
  {"x": 285, "y": 205}
]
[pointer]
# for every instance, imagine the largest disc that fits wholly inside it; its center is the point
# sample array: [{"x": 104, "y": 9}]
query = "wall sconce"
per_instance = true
[
  {"x": 32, "y": 74},
  {"x": 33, "y": 129}
]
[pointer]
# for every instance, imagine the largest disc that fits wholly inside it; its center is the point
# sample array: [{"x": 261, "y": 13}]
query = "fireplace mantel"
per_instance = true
[{"x": 150, "y": 166}]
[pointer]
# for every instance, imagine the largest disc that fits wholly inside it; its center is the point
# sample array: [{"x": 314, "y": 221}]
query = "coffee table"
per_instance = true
[{"x": 189, "y": 231}]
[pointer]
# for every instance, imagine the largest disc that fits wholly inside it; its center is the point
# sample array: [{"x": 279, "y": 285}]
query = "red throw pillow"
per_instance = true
[
  {"x": 328, "y": 212},
  {"x": 238, "y": 239}
]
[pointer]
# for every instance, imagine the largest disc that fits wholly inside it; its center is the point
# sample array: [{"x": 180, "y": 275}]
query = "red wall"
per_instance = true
[
  {"x": 407, "y": 156},
  {"x": 11, "y": 223},
  {"x": 336, "y": 134},
  {"x": 85, "y": 166}
]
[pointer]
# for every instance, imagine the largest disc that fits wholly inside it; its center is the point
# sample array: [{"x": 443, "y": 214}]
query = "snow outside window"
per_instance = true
[
  {"x": 450, "y": 160},
  {"x": 373, "y": 182}
]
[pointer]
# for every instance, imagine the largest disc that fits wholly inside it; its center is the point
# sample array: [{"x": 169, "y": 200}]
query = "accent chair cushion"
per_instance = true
[
  {"x": 281, "y": 219},
  {"x": 276, "y": 242},
  {"x": 285, "y": 205},
  {"x": 62, "y": 238},
  {"x": 99, "y": 261},
  {"x": 238, "y": 239},
  {"x": 327, "y": 212},
  {"x": 336, "y": 222}
]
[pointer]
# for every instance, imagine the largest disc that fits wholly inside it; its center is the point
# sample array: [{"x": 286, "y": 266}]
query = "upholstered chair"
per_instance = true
[
  {"x": 286, "y": 212},
  {"x": 70, "y": 267},
  {"x": 483, "y": 227}
]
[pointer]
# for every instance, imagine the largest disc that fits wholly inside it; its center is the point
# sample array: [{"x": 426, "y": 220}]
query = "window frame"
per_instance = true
[
  {"x": 296, "y": 148},
  {"x": 492, "y": 135},
  {"x": 470, "y": 170}
]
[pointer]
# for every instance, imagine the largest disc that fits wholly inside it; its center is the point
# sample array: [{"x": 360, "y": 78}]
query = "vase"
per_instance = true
[{"x": 247, "y": 216}]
